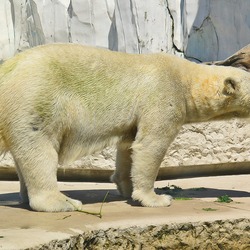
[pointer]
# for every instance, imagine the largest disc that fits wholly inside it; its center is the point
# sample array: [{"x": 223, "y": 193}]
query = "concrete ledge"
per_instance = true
[{"x": 195, "y": 221}]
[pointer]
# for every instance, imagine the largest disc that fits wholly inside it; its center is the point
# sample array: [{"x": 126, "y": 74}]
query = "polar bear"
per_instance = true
[{"x": 59, "y": 102}]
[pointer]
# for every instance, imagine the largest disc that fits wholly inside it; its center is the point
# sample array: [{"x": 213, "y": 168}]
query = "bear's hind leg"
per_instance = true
[
  {"x": 122, "y": 177},
  {"x": 37, "y": 165}
]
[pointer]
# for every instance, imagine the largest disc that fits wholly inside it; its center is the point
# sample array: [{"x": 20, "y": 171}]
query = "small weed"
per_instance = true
[
  {"x": 182, "y": 198},
  {"x": 209, "y": 209},
  {"x": 65, "y": 217},
  {"x": 224, "y": 199},
  {"x": 98, "y": 214}
]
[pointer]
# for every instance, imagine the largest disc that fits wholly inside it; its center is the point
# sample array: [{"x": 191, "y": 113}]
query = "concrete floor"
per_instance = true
[{"x": 22, "y": 228}]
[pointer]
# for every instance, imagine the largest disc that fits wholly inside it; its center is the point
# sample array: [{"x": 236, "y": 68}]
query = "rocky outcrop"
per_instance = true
[
  {"x": 204, "y": 235},
  {"x": 241, "y": 59},
  {"x": 199, "y": 30}
]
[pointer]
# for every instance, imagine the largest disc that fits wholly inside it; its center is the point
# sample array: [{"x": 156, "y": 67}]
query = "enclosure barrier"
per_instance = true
[{"x": 165, "y": 173}]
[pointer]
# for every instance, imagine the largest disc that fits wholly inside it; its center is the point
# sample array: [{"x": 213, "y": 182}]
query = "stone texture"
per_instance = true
[
  {"x": 241, "y": 59},
  {"x": 205, "y": 30},
  {"x": 199, "y": 30},
  {"x": 211, "y": 143},
  {"x": 229, "y": 234}
]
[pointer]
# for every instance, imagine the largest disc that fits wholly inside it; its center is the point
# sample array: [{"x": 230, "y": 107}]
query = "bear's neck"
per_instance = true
[{"x": 204, "y": 98}]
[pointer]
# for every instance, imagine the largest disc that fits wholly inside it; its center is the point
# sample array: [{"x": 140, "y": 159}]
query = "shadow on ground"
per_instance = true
[
  {"x": 202, "y": 192},
  {"x": 97, "y": 196},
  {"x": 86, "y": 196}
]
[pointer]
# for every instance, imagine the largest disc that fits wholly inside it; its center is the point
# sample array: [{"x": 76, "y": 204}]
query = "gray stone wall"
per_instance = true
[{"x": 200, "y": 30}]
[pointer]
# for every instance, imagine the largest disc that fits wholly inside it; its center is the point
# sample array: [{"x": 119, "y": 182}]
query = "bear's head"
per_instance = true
[{"x": 236, "y": 91}]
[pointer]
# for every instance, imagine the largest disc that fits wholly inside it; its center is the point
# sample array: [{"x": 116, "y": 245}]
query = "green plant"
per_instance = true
[
  {"x": 98, "y": 214},
  {"x": 224, "y": 199},
  {"x": 209, "y": 209},
  {"x": 182, "y": 198}
]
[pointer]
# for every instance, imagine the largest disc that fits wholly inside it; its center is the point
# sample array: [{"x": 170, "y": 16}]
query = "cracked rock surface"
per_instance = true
[
  {"x": 200, "y": 30},
  {"x": 206, "y": 235}
]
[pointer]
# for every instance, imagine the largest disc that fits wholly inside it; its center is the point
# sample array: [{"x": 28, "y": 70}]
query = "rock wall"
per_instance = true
[
  {"x": 204, "y": 30},
  {"x": 229, "y": 234},
  {"x": 199, "y": 30}
]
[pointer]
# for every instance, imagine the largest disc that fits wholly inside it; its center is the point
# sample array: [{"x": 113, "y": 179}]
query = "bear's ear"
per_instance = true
[{"x": 230, "y": 86}]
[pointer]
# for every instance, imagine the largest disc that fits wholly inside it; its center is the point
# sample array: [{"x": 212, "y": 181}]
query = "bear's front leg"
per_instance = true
[{"x": 148, "y": 152}]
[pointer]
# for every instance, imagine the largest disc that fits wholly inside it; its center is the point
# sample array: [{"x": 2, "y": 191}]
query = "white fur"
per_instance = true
[{"x": 60, "y": 102}]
